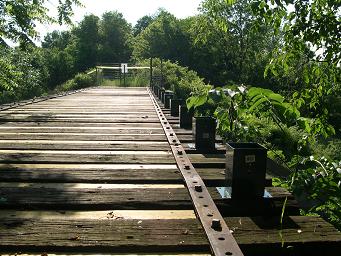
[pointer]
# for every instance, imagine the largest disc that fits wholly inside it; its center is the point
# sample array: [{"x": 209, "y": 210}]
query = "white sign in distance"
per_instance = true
[{"x": 124, "y": 68}]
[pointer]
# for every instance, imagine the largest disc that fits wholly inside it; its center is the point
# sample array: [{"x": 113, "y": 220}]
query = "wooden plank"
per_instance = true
[
  {"x": 73, "y": 156},
  {"x": 81, "y": 136},
  {"x": 57, "y": 144},
  {"x": 89, "y": 125},
  {"x": 101, "y": 215},
  {"x": 299, "y": 234},
  {"x": 63, "y": 196},
  {"x": 108, "y": 173},
  {"x": 77, "y": 119},
  {"x": 82, "y": 115},
  {"x": 79, "y": 111},
  {"x": 97, "y": 130}
]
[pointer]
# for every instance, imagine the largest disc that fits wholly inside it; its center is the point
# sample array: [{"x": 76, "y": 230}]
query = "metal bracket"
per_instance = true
[{"x": 221, "y": 240}]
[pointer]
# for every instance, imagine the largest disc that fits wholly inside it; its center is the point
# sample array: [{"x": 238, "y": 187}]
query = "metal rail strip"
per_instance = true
[
  {"x": 221, "y": 240},
  {"x": 117, "y": 68}
]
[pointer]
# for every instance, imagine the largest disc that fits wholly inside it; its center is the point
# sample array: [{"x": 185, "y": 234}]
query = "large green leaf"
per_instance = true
[
  {"x": 275, "y": 97},
  {"x": 257, "y": 103}
]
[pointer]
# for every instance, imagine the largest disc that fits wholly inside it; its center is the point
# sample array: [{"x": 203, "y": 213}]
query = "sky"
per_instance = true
[{"x": 132, "y": 10}]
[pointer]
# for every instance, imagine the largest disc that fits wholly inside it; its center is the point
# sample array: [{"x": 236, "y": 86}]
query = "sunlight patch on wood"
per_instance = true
[
  {"x": 91, "y": 166},
  {"x": 101, "y": 215},
  {"x": 84, "y": 152},
  {"x": 87, "y": 185}
]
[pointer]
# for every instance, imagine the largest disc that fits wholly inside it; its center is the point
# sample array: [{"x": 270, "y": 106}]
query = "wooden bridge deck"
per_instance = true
[{"x": 92, "y": 172}]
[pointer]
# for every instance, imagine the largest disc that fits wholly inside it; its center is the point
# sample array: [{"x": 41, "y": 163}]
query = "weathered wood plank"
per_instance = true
[
  {"x": 57, "y": 144},
  {"x": 80, "y": 111},
  {"x": 106, "y": 173},
  {"x": 73, "y": 156},
  {"x": 93, "y": 198},
  {"x": 81, "y": 115},
  {"x": 138, "y": 174},
  {"x": 81, "y": 136},
  {"x": 85, "y": 130},
  {"x": 38, "y": 118},
  {"x": 63, "y": 196},
  {"x": 100, "y": 215},
  {"x": 186, "y": 235},
  {"x": 90, "y": 125}
]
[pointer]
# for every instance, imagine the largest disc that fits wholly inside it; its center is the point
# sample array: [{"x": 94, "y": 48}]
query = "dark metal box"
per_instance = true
[
  {"x": 204, "y": 130},
  {"x": 245, "y": 170}
]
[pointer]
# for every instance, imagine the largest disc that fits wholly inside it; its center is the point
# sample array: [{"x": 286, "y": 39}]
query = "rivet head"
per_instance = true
[
  {"x": 180, "y": 152},
  {"x": 216, "y": 224},
  {"x": 198, "y": 188},
  {"x": 187, "y": 167}
]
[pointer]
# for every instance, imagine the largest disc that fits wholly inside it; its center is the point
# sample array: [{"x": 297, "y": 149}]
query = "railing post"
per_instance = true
[
  {"x": 162, "y": 85},
  {"x": 151, "y": 72},
  {"x": 124, "y": 76}
]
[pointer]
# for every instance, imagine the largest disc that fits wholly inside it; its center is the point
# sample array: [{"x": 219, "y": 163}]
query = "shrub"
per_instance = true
[
  {"x": 180, "y": 80},
  {"x": 22, "y": 74},
  {"x": 78, "y": 82}
]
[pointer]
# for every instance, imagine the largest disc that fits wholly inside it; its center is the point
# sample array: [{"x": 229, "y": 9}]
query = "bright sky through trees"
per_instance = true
[{"x": 132, "y": 10}]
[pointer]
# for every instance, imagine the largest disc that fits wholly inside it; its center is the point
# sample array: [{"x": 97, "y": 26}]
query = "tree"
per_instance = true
[
  {"x": 22, "y": 74},
  {"x": 57, "y": 39},
  {"x": 163, "y": 38},
  {"x": 311, "y": 47},
  {"x": 315, "y": 24},
  {"x": 18, "y": 18},
  {"x": 87, "y": 39},
  {"x": 115, "y": 38},
  {"x": 241, "y": 48},
  {"x": 141, "y": 24}
]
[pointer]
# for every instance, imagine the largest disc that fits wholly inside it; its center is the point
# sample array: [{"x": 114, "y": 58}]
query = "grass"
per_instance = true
[{"x": 135, "y": 81}]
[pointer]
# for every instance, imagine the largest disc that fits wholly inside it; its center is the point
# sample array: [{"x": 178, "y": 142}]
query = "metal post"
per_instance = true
[
  {"x": 124, "y": 76},
  {"x": 120, "y": 74},
  {"x": 151, "y": 72},
  {"x": 97, "y": 77},
  {"x": 161, "y": 85}
]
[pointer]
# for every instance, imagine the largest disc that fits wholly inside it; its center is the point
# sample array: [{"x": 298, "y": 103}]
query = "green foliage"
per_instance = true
[
  {"x": 93, "y": 40},
  {"x": 264, "y": 101},
  {"x": 228, "y": 106},
  {"x": 315, "y": 23},
  {"x": 318, "y": 183},
  {"x": 239, "y": 47},
  {"x": 86, "y": 43},
  {"x": 309, "y": 57},
  {"x": 80, "y": 81},
  {"x": 180, "y": 80},
  {"x": 306, "y": 68},
  {"x": 18, "y": 18},
  {"x": 57, "y": 39},
  {"x": 261, "y": 115},
  {"x": 142, "y": 24},
  {"x": 134, "y": 81},
  {"x": 22, "y": 74},
  {"x": 115, "y": 35},
  {"x": 163, "y": 38}
]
